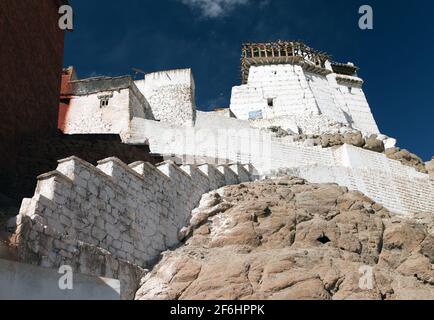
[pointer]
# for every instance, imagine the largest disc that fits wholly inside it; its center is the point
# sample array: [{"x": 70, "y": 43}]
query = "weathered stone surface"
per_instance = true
[
  {"x": 287, "y": 239},
  {"x": 430, "y": 168},
  {"x": 355, "y": 139},
  {"x": 406, "y": 158},
  {"x": 374, "y": 144},
  {"x": 278, "y": 132}
]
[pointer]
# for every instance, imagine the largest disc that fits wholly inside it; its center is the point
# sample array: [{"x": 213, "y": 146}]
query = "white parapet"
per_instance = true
[
  {"x": 118, "y": 212},
  {"x": 267, "y": 154}
]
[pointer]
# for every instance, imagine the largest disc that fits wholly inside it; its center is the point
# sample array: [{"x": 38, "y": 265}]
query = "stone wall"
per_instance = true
[
  {"x": 398, "y": 192},
  {"x": 171, "y": 95},
  {"x": 85, "y": 114},
  {"x": 37, "y": 157},
  {"x": 288, "y": 96},
  {"x": 399, "y": 188},
  {"x": 269, "y": 154},
  {"x": 126, "y": 214},
  {"x": 31, "y": 64}
]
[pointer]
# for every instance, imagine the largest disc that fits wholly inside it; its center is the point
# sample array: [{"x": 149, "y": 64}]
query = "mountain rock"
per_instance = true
[
  {"x": 406, "y": 158},
  {"x": 430, "y": 168},
  {"x": 287, "y": 239}
]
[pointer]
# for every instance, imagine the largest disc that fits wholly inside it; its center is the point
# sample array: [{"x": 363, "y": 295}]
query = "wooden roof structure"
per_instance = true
[
  {"x": 345, "y": 69},
  {"x": 282, "y": 52}
]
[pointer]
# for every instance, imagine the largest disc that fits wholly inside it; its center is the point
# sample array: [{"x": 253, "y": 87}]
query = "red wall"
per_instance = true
[{"x": 31, "y": 58}]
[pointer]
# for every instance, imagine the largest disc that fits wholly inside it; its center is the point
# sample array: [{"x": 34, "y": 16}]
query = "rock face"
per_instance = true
[
  {"x": 430, "y": 168},
  {"x": 355, "y": 138},
  {"x": 406, "y": 158},
  {"x": 287, "y": 239},
  {"x": 373, "y": 143}
]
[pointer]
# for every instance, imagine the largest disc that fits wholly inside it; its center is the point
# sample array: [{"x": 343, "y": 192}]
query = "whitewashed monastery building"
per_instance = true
[
  {"x": 115, "y": 219},
  {"x": 284, "y": 84}
]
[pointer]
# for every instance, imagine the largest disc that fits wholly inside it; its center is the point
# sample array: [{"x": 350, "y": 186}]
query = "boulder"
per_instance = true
[
  {"x": 331, "y": 140},
  {"x": 354, "y": 139},
  {"x": 406, "y": 158},
  {"x": 279, "y": 132},
  {"x": 430, "y": 168},
  {"x": 374, "y": 144}
]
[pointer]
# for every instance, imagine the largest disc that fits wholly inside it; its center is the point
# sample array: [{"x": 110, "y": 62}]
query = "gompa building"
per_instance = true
[
  {"x": 290, "y": 85},
  {"x": 107, "y": 105},
  {"x": 296, "y": 113},
  {"x": 286, "y": 87}
]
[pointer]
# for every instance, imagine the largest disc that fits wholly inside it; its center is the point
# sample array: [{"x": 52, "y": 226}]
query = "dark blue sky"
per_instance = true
[{"x": 396, "y": 58}]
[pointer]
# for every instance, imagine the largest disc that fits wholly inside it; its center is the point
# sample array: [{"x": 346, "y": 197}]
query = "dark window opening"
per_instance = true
[
  {"x": 323, "y": 239},
  {"x": 104, "y": 102},
  {"x": 270, "y": 102}
]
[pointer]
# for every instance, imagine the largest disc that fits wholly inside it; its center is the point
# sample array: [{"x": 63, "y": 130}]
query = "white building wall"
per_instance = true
[
  {"x": 399, "y": 188},
  {"x": 86, "y": 116},
  {"x": 358, "y": 108},
  {"x": 311, "y": 102},
  {"x": 286, "y": 84},
  {"x": 171, "y": 95},
  {"x": 324, "y": 97},
  {"x": 132, "y": 212}
]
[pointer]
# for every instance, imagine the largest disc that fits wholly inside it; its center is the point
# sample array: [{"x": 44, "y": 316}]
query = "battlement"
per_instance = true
[{"x": 134, "y": 212}]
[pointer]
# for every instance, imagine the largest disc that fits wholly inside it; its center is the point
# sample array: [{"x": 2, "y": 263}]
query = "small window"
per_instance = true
[
  {"x": 104, "y": 102},
  {"x": 254, "y": 115},
  {"x": 270, "y": 102}
]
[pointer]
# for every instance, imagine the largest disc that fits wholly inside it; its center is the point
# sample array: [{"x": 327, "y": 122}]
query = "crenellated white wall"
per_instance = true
[
  {"x": 269, "y": 154},
  {"x": 131, "y": 212}
]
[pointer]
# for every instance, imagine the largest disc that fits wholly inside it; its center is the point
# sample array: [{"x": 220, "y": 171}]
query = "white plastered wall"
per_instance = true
[
  {"x": 85, "y": 114},
  {"x": 171, "y": 95},
  {"x": 399, "y": 188},
  {"x": 311, "y": 102}
]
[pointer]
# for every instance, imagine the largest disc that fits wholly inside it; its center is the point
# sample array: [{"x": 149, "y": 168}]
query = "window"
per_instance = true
[
  {"x": 270, "y": 102},
  {"x": 104, "y": 99},
  {"x": 254, "y": 115},
  {"x": 104, "y": 102}
]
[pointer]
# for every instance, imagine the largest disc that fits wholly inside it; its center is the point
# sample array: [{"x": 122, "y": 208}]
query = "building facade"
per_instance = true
[{"x": 290, "y": 85}]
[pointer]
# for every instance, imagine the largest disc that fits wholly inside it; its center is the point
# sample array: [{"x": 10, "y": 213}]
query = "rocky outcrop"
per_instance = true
[
  {"x": 355, "y": 138},
  {"x": 278, "y": 132},
  {"x": 374, "y": 144},
  {"x": 287, "y": 239},
  {"x": 406, "y": 158},
  {"x": 430, "y": 168}
]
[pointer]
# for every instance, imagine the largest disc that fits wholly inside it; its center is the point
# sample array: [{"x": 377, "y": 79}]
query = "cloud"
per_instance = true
[{"x": 214, "y": 8}]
